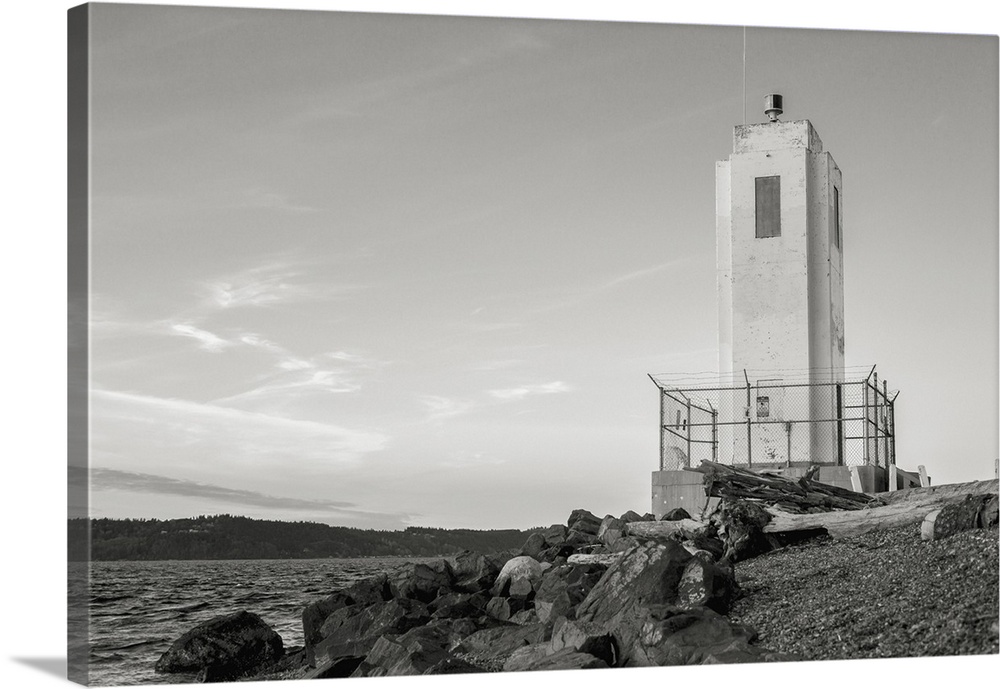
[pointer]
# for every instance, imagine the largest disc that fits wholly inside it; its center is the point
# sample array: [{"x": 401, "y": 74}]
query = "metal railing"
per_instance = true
[{"x": 782, "y": 419}]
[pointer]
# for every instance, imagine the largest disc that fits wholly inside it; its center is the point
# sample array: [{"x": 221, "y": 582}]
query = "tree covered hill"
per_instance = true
[{"x": 226, "y": 537}]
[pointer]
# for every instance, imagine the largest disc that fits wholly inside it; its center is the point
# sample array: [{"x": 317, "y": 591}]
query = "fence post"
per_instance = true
[
  {"x": 689, "y": 430},
  {"x": 663, "y": 423},
  {"x": 885, "y": 418},
  {"x": 875, "y": 388},
  {"x": 840, "y": 425},
  {"x": 715, "y": 435},
  {"x": 864, "y": 417},
  {"x": 749, "y": 422}
]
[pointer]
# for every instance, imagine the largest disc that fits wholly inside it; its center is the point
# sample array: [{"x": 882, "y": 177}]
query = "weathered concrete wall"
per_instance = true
[
  {"x": 679, "y": 489},
  {"x": 781, "y": 298}
]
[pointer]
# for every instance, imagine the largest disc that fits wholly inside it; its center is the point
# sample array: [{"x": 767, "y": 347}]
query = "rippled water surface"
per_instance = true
[{"x": 139, "y": 608}]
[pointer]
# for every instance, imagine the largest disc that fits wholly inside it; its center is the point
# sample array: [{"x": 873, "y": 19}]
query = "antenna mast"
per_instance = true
[{"x": 744, "y": 74}]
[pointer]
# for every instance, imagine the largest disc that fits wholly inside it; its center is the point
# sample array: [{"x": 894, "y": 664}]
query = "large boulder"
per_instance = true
[
  {"x": 353, "y": 631},
  {"x": 501, "y": 641},
  {"x": 475, "y": 572},
  {"x": 655, "y": 602},
  {"x": 502, "y": 608},
  {"x": 648, "y": 574},
  {"x": 518, "y": 578},
  {"x": 533, "y": 659},
  {"x": 224, "y": 648},
  {"x": 584, "y": 637},
  {"x": 421, "y": 580},
  {"x": 584, "y": 521},
  {"x": 554, "y": 535},
  {"x": 534, "y": 546},
  {"x": 612, "y": 531},
  {"x": 582, "y": 540},
  {"x": 314, "y": 614},
  {"x": 550, "y": 545},
  {"x": 705, "y": 583},
  {"x": 456, "y": 604},
  {"x": 420, "y": 651},
  {"x": 669, "y": 635},
  {"x": 563, "y": 588},
  {"x": 366, "y": 591}
]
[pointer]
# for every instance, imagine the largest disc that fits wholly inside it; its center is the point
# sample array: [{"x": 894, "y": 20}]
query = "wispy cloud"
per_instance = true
[
  {"x": 565, "y": 299},
  {"x": 115, "y": 479},
  {"x": 642, "y": 272},
  {"x": 227, "y": 434},
  {"x": 268, "y": 285},
  {"x": 442, "y": 408},
  {"x": 295, "y": 374},
  {"x": 524, "y": 391},
  {"x": 301, "y": 377},
  {"x": 208, "y": 341}
]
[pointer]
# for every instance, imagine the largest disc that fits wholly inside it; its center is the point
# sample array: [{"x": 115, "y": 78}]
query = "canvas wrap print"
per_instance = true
[{"x": 388, "y": 341}]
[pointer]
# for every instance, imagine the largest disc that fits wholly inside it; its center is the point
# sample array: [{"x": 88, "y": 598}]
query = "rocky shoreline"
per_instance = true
[{"x": 593, "y": 593}]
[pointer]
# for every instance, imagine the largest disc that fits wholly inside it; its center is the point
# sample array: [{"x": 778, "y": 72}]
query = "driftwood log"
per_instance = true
[
  {"x": 901, "y": 510},
  {"x": 683, "y": 528}
]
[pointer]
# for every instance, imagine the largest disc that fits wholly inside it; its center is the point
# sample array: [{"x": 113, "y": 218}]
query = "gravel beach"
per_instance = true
[{"x": 886, "y": 594}]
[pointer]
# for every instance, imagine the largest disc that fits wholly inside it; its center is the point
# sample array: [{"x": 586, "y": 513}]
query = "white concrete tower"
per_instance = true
[{"x": 779, "y": 242}]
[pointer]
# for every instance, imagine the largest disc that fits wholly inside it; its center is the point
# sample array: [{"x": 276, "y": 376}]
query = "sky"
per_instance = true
[
  {"x": 381, "y": 270},
  {"x": 385, "y": 270}
]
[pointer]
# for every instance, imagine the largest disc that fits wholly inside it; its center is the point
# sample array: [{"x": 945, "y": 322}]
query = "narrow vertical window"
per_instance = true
[
  {"x": 768, "y": 192},
  {"x": 836, "y": 217}
]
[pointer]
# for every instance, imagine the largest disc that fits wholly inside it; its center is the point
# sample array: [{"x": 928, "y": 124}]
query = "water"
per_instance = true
[{"x": 138, "y": 609}]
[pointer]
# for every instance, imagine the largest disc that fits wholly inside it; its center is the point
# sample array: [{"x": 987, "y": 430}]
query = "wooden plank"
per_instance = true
[
  {"x": 924, "y": 481},
  {"x": 892, "y": 478},
  {"x": 856, "y": 480},
  {"x": 910, "y": 478}
]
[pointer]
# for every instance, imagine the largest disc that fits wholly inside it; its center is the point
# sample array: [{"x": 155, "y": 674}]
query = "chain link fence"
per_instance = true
[{"x": 772, "y": 422}]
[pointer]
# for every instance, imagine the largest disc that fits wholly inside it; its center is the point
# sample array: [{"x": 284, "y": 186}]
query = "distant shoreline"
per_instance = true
[{"x": 228, "y": 537}]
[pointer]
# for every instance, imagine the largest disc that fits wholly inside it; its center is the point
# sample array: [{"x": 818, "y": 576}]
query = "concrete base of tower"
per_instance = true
[{"x": 685, "y": 489}]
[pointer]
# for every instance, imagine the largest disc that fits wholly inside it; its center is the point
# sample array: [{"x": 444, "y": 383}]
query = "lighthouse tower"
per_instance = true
[
  {"x": 779, "y": 241},
  {"x": 781, "y": 401}
]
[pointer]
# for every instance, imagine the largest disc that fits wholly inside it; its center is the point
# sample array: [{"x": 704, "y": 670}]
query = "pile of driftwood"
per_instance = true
[
  {"x": 796, "y": 505},
  {"x": 799, "y": 496}
]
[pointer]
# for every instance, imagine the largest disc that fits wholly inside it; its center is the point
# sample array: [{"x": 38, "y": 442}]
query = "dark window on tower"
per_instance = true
[
  {"x": 768, "y": 193},
  {"x": 836, "y": 217}
]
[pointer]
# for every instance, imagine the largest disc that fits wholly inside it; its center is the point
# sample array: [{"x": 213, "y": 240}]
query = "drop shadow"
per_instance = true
[{"x": 53, "y": 665}]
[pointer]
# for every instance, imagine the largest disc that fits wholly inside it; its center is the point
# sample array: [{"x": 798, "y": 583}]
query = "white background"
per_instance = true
[{"x": 33, "y": 334}]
